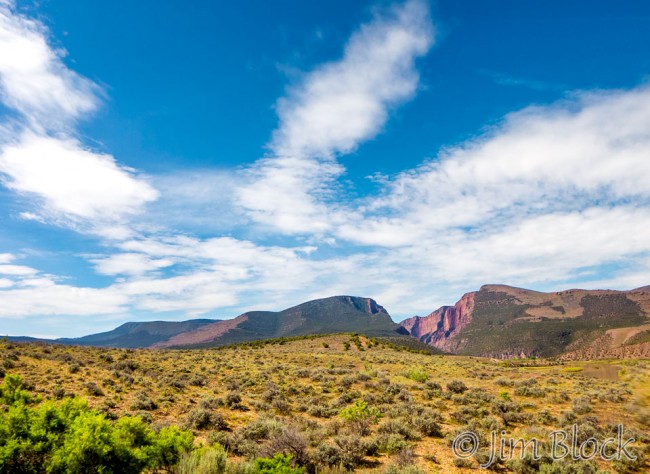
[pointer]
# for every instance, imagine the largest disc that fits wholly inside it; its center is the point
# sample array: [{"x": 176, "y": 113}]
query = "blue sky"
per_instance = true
[{"x": 161, "y": 160}]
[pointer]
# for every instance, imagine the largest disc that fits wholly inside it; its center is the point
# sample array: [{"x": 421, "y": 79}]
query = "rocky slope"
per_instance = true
[{"x": 503, "y": 321}]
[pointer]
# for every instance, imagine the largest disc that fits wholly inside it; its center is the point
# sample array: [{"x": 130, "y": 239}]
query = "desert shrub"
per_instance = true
[
  {"x": 207, "y": 460},
  {"x": 322, "y": 410},
  {"x": 302, "y": 373},
  {"x": 346, "y": 382},
  {"x": 567, "y": 417},
  {"x": 627, "y": 465},
  {"x": 143, "y": 402},
  {"x": 289, "y": 442},
  {"x": 328, "y": 454},
  {"x": 546, "y": 418},
  {"x": 352, "y": 451},
  {"x": 202, "y": 419},
  {"x": 272, "y": 392},
  {"x": 281, "y": 406},
  {"x": 236, "y": 443},
  {"x": 391, "y": 443},
  {"x": 530, "y": 391},
  {"x": 93, "y": 389},
  {"x": 106, "y": 358},
  {"x": 409, "y": 469},
  {"x": 397, "y": 427},
  {"x": 509, "y": 412},
  {"x": 58, "y": 392},
  {"x": 456, "y": 386},
  {"x": 209, "y": 403},
  {"x": 567, "y": 466},
  {"x": 233, "y": 401},
  {"x": 582, "y": 405},
  {"x": 428, "y": 424},
  {"x": 198, "y": 381},
  {"x": 405, "y": 396},
  {"x": 12, "y": 390},
  {"x": 261, "y": 429},
  {"x": 126, "y": 365}
]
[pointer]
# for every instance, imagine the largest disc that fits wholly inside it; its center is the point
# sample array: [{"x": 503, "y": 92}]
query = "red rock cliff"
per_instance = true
[{"x": 440, "y": 328}]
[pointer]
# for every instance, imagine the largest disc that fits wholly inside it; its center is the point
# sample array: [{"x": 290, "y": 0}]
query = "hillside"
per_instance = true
[
  {"x": 337, "y": 314},
  {"x": 503, "y": 321},
  {"x": 138, "y": 334},
  {"x": 332, "y": 401}
]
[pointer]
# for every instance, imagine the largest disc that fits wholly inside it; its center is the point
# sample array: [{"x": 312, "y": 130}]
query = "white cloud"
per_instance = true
[
  {"x": 45, "y": 297},
  {"x": 33, "y": 78},
  {"x": 331, "y": 111},
  {"x": 543, "y": 159},
  {"x": 129, "y": 264},
  {"x": 16, "y": 270},
  {"x": 38, "y": 155},
  {"x": 71, "y": 180},
  {"x": 342, "y": 103}
]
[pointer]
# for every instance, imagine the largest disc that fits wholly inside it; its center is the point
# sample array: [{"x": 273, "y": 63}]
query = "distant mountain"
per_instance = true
[
  {"x": 336, "y": 314},
  {"x": 503, "y": 321},
  {"x": 138, "y": 334}
]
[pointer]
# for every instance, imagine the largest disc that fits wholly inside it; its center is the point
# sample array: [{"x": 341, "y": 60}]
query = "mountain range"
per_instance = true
[
  {"x": 497, "y": 321},
  {"x": 336, "y": 314},
  {"x": 503, "y": 321}
]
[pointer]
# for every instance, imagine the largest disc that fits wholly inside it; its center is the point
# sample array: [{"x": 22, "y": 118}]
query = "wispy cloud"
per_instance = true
[
  {"x": 33, "y": 78},
  {"x": 331, "y": 111},
  {"x": 582, "y": 152}
]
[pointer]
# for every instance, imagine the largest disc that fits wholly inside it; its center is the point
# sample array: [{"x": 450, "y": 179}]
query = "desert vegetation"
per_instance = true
[{"x": 327, "y": 404}]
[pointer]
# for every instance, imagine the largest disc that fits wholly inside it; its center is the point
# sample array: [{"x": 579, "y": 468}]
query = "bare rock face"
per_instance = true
[{"x": 440, "y": 328}]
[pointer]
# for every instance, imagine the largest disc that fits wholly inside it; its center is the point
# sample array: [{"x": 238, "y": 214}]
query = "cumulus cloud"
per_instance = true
[{"x": 71, "y": 180}]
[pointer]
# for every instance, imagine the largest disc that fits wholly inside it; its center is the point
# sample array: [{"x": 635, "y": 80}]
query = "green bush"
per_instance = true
[
  {"x": 418, "y": 374},
  {"x": 360, "y": 417},
  {"x": 70, "y": 437},
  {"x": 278, "y": 464},
  {"x": 12, "y": 391}
]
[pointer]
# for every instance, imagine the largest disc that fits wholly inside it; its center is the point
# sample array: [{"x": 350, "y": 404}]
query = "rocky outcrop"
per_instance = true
[
  {"x": 501, "y": 321},
  {"x": 441, "y": 328}
]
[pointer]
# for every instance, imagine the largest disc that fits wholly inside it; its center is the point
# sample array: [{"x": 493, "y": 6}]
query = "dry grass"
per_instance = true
[{"x": 245, "y": 396}]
